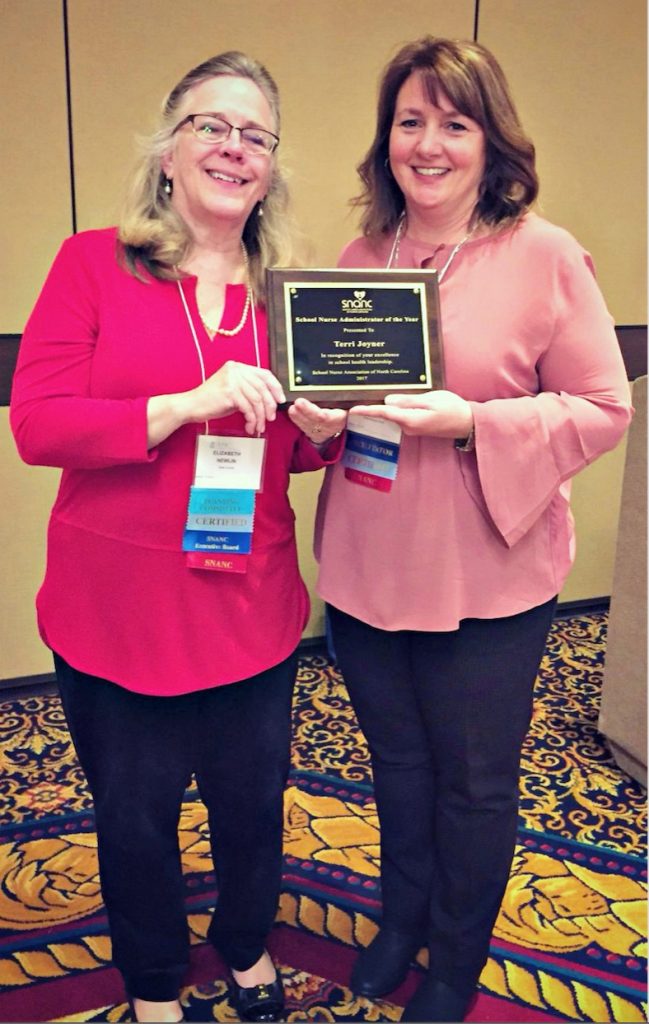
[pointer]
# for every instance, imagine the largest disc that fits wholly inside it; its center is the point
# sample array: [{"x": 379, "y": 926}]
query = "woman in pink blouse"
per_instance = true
[
  {"x": 441, "y": 589},
  {"x": 172, "y": 597}
]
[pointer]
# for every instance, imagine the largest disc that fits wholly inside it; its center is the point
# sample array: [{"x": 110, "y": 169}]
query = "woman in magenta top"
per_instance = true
[
  {"x": 175, "y": 656},
  {"x": 441, "y": 590}
]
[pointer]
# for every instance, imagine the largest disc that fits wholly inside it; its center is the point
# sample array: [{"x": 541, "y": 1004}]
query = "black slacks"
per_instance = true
[
  {"x": 139, "y": 753},
  {"x": 445, "y": 715}
]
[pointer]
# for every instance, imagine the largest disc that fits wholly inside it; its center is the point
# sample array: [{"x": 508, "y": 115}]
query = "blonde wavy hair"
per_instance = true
[{"x": 154, "y": 238}]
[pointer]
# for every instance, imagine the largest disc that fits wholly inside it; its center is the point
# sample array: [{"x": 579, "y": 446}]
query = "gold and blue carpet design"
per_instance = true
[{"x": 570, "y": 941}]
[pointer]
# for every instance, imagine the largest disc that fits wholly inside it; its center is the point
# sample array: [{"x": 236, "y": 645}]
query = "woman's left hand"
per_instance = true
[
  {"x": 433, "y": 414},
  {"x": 318, "y": 424}
]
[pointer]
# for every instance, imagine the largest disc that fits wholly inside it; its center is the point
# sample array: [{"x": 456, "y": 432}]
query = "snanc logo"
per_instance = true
[{"x": 359, "y": 304}]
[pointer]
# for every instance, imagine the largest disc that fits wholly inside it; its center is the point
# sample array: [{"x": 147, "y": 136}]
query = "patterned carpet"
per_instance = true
[{"x": 569, "y": 944}]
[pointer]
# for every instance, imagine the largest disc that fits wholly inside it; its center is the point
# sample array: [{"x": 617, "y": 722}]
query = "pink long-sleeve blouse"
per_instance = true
[
  {"x": 529, "y": 342},
  {"x": 118, "y": 600}
]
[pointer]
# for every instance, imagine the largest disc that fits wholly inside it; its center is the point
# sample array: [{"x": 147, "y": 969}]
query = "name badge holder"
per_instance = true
[
  {"x": 221, "y": 513},
  {"x": 227, "y": 476},
  {"x": 371, "y": 455}
]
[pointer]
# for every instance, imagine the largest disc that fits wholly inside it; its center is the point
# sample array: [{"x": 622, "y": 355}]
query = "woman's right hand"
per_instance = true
[{"x": 236, "y": 387}]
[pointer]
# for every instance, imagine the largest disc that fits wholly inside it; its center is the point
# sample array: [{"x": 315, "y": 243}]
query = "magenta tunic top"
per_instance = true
[
  {"x": 118, "y": 600},
  {"x": 528, "y": 341}
]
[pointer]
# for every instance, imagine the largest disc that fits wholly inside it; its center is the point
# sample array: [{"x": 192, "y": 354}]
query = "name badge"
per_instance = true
[
  {"x": 229, "y": 462},
  {"x": 220, "y": 517},
  {"x": 371, "y": 455}
]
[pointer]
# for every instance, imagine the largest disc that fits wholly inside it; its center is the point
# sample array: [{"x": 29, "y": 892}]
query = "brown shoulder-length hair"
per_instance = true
[
  {"x": 153, "y": 237},
  {"x": 474, "y": 82}
]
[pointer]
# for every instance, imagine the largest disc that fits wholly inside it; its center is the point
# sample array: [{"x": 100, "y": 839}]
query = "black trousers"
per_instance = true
[
  {"x": 139, "y": 753},
  {"x": 445, "y": 715}
]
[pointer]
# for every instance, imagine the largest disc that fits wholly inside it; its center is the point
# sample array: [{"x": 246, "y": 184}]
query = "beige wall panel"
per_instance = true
[
  {"x": 596, "y": 496},
  {"x": 34, "y": 176},
  {"x": 577, "y": 71},
  {"x": 304, "y": 495},
  {"x": 326, "y": 56},
  {"x": 28, "y": 494}
]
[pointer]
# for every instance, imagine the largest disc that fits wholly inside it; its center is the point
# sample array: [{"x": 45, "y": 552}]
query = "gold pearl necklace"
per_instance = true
[{"x": 230, "y": 332}]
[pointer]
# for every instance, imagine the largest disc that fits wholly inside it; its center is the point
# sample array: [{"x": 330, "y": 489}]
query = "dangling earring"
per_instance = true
[
  {"x": 168, "y": 186},
  {"x": 260, "y": 208},
  {"x": 386, "y": 164}
]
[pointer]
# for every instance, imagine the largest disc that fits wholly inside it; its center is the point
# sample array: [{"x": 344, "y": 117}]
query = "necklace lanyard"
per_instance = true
[
  {"x": 393, "y": 258},
  {"x": 198, "y": 347}
]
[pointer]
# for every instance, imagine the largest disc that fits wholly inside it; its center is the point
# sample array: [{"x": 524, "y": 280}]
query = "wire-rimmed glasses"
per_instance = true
[{"x": 212, "y": 129}]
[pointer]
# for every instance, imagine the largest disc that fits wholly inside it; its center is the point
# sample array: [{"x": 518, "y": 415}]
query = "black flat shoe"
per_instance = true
[
  {"x": 261, "y": 1002},
  {"x": 383, "y": 965},
  {"x": 435, "y": 1001}
]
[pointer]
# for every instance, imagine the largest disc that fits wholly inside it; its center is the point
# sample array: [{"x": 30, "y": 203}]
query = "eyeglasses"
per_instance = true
[{"x": 210, "y": 129}]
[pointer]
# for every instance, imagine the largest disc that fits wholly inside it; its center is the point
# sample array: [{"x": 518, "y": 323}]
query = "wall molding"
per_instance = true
[
  {"x": 68, "y": 104},
  {"x": 8, "y": 354},
  {"x": 632, "y": 339},
  {"x": 633, "y": 343},
  {"x": 23, "y": 687}
]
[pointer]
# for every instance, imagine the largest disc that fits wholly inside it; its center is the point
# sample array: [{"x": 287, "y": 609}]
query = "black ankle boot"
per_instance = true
[
  {"x": 382, "y": 966},
  {"x": 435, "y": 1001}
]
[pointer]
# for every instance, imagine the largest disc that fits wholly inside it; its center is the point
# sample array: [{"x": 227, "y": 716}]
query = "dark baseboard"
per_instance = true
[
  {"x": 633, "y": 344},
  {"x": 8, "y": 354},
  {"x": 312, "y": 645},
  {"x": 28, "y": 686},
  {"x": 582, "y": 607},
  {"x": 36, "y": 686}
]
